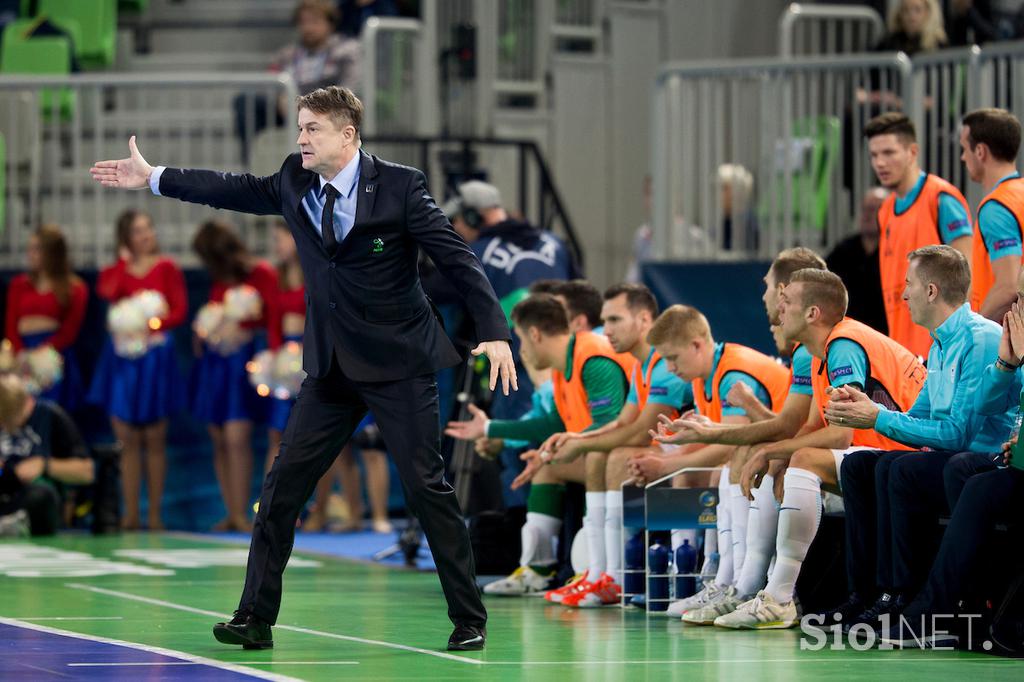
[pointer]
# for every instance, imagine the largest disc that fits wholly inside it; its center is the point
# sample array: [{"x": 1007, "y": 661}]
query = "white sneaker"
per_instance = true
[
  {"x": 725, "y": 601},
  {"x": 524, "y": 581},
  {"x": 677, "y": 608},
  {"x": 760, "y": 613}
]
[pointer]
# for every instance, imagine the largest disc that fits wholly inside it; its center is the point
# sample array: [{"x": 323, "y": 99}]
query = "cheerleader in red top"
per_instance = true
[
  {"x": 46, "y": 306},
  {"x": 221, "y": 393},
  {"x": 141, "y": 387},
  {"x": 287, "y": 319}
]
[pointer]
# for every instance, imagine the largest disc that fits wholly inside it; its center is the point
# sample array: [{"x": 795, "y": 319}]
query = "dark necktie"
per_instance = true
[{"x": 327, "y": 220}]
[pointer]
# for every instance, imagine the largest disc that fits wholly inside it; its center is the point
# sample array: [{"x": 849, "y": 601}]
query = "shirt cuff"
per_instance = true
[
  {"x": 883, "y": 421},
  {"x": 487, "y": 427},
  {"x": 154, "y": 180}
]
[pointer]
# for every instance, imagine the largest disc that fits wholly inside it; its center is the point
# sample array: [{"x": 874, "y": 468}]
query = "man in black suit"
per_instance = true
[{"x": 372, "y": 339}]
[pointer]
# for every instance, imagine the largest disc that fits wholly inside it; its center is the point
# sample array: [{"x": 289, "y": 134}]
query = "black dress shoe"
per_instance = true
[
  {"x": 467, "y": 638},
  {"x": 245, "y": 629}
]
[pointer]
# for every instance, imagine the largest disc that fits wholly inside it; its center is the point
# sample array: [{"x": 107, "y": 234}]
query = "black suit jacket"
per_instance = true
[{"x": 365, "y": 302}]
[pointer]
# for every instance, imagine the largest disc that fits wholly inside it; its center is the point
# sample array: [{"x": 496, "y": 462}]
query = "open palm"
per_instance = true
[{"x": 130, "y": 173}]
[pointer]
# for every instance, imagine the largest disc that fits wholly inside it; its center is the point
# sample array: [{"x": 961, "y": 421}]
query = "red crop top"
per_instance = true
[{"x": 23, "y": 300}]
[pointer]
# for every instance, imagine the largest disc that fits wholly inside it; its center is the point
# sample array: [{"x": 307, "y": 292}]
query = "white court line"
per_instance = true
[
  {"x": 181, "y": 655},
  {"x": 291, "y": 628},
  {"x": 140, "y": 665},
  {"x": 34, "y": 618},
  {"x": 718, "y": 661}
]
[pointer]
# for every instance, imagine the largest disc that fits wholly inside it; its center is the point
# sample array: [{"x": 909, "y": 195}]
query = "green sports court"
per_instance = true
[{"x": 140, "y": 607}]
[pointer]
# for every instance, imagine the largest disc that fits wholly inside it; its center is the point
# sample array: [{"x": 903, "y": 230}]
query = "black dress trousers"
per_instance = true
[{"x": 322, "y": 420}]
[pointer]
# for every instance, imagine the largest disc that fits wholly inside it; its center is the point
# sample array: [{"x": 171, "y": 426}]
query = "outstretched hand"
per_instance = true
[
  {"x": 130, "y": 173},
  {"x": 473, "y": 429},
  {"x": 499, "y": 353}
]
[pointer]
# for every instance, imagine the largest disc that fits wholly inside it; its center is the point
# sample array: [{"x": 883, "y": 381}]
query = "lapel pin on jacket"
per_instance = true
[
  {"x": 369, "y": 188},
  {"x": 378, "y": 245}
]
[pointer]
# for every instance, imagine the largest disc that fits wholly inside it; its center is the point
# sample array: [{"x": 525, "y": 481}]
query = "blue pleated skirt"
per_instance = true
[
  {"x": 70, "y": 390},
  {"x": 220, "y": 388},
  {"x": 139, "y": 390}
]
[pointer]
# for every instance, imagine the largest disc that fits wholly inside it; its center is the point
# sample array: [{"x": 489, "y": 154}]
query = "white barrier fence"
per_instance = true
[
  {"x": 795, "y": 128},
  {"x": 56, "y": 127},
  {"x": 809, "y": 30}
]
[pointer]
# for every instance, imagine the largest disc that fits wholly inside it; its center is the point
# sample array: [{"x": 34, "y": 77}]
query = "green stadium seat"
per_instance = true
[
  {"x": 22, "y": 53},
  {"x": 92, "y": 25}
]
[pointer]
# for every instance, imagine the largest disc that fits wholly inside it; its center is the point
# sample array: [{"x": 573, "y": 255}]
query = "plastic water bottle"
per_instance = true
[
  {"x": 686, "y": 563},
  {"x": 657, "y": 582},
  {"x": 633, "y": 580},
  {"x": 1017, "y": 450}
]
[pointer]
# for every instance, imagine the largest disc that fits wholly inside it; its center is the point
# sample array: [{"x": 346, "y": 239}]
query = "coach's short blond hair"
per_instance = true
[
  {"x": 679, "y": 324},
  {"x": 823, "y": 289}
]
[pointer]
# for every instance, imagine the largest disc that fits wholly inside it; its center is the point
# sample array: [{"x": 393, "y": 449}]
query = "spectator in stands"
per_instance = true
[
  {"x": 855, "y": 260},
  {"x": 514, "y": 254},
  {"x": 319, "y": 59},
  {"x": 1009, "y": 18},
  {"x": 40, "y": 449},
  {"x": 914, "y": 26},
  {"x": 739, "y": 224},
  {"x": 354, "y": 14},
  {"x": 137, "y": 380},
  {"x": 226, "y": 329},
  {"x": 969, "y": 22},
  {"x": 46, "y": 307}
]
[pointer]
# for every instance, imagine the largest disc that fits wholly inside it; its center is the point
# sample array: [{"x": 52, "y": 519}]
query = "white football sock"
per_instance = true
[
  {"x": 762, "y": 528},
  {"x": 539, "y": 533},
  {"x": 724, "y": 577},
  {"x": 613, "y": 534},
  {"x": 799, "y": 518},
  {"x": 594, "y": 524},
  {"x": 739, "y": 510}
]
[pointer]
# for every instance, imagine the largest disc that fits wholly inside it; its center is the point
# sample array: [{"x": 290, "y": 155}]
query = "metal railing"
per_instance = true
[
  {"x": 948, "y": 84},
  {"x": 807, "y": 30},
  {"x": 399, "y": 84},
  {"x": 944, "y": 87},
  {"x": 794, "y": 128},
  {"x": 579, "y": 20},
  {"x": 57, "y": 126}
]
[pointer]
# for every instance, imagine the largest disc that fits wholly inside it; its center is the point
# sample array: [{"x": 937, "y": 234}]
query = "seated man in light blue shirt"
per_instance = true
[
  {"x": 989, "y": 496},
  {"x": 896, "y": 497}
]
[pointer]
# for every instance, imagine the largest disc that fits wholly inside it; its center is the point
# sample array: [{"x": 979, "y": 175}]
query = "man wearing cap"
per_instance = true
[{"x": 514, "y": 255}]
